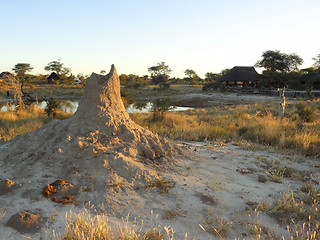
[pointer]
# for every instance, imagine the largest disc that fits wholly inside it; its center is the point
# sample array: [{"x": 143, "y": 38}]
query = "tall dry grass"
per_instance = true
[
  {"x": 240, "y": 123},
  {"x": 86, "y": 226},
  {"x": 252, "y": 123},
  {"x": 16, "y": 122}
]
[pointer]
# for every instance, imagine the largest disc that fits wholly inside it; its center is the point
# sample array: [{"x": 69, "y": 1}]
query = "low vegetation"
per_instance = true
[
  {"x": 298, "y": 131},
  {"x": 301, "y": 217},
  {"x": 247, "y": 123},
  {"x": 16, "y": 122},
  {"x": 84, "y": 225}
]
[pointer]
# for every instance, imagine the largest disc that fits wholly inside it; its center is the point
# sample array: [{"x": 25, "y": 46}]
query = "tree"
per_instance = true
[
  {"x": 160, "y": 69},
  {"x": 123, "y": 78},
  {"x": 159, "y": 107},
  {"x": 224, "y": 71},
  {"x": 190, "y": 73},
  {"x": 292, "y": 61},
  {"x": 275, "y": 61},
  {"x": 57, "y": 67},
  {"x": 21, "y": 69},
  {"x": 211, "y": 77},
  {"x": 316, "y": 61}
]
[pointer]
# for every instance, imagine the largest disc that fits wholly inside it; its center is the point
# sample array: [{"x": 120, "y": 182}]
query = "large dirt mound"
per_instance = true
[{"x": 98, "y": 149}]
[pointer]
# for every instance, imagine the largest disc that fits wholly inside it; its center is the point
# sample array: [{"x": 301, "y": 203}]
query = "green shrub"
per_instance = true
[
  {"x": 160, "y": 107},
  {"x": 52, "y": 107},
  {"x": 211, "y": 86},
  {"x": 305, "y": 112}
]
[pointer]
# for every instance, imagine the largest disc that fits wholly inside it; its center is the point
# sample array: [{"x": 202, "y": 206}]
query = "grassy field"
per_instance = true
[
  {"x": 252, "y": 123},
  {"x": 18, "y": 122}
]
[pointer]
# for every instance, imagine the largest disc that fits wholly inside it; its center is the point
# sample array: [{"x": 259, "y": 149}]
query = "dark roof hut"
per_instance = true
[
  {"x": 5, "y": 75},
  {"x": 241, "y": 76},
  {"x": 53, "y": 77}
]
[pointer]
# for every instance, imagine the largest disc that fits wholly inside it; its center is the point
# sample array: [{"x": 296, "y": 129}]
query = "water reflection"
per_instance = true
[{"x": 72, "y": 105}]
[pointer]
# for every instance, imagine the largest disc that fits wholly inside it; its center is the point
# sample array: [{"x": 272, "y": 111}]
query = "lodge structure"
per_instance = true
[{"x": 241, "y": 77}]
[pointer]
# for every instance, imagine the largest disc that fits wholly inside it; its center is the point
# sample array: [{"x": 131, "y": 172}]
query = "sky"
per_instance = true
[{"x": 203, "y": 35}]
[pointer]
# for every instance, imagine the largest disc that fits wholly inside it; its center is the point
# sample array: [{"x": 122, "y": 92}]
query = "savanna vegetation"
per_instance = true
[{"x": 297, "y": 132}]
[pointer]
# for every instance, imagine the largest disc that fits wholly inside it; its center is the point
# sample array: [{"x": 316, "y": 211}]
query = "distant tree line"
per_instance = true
[{"x": 279, "y": 69}]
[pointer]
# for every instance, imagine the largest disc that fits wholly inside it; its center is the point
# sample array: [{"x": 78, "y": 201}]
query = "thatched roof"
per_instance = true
[
  {"x": 5, "y": 75},
  {"x": 241, "y": 74},
  {"x": 53, "y": 76}
]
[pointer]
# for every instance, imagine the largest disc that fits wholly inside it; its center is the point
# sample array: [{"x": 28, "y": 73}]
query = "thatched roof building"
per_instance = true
[
  {"x": 53, "y": 77},
  {"x": 241, "y": 76},
  {"x": 6, "y": 75}
]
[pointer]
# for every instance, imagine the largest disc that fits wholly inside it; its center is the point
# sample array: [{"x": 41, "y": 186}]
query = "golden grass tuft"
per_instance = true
[{"x": 86, "y": 226}]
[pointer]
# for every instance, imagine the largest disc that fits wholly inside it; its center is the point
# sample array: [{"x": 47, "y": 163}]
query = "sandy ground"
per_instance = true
[{"x": 218, "y": 181}]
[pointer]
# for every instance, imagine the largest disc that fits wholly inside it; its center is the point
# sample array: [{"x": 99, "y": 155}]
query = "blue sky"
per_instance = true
[{"x": 204, "y": 35}]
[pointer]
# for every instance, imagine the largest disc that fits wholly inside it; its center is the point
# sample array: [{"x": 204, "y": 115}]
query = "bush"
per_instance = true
[
  {"x": 164, "y": 86},
  {"x": 127, "y": 98},
  {"x": 52, "y": 107},
  {"x": 211, "y": 86},
  {"x": 294, "y": 84},
  {"x": 160, "y": 107},
  {"x": 305, "y": 112}
]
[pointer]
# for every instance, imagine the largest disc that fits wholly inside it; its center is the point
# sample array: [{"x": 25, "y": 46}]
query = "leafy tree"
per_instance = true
[
  {"x": 192, "y": 77},
  {"x": 190, "y": 73},
  {"x": 159, "y": 107},
  {"x": 292, "y": 62},
  {"x": 224, "y": 71},
  {"x": 160, "y": 69},
  {"x": 211, "y": 77},
  {"x": 123, "y": 78},
  {"x": 275, "y": 61},
  {"x": 21, "y": 69},
  {"x": 316, "y": 61},
  {"x": 57, "y": 67}
]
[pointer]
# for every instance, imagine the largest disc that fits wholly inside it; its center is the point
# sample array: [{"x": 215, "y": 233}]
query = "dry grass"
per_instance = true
[
  {"x": 216, "y": 225},
  {"x": 301, "y": 218},
  {"x": 162, "y": 185},
  {"x": 238, "y": 124},
  {"x": 21, "y": 121},
  {"x": 87, "y": 226}
]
